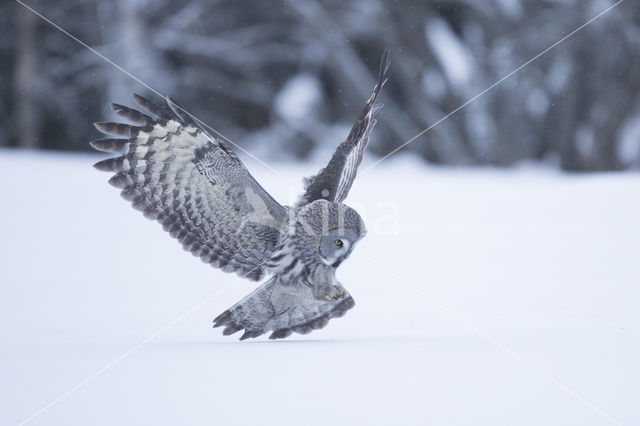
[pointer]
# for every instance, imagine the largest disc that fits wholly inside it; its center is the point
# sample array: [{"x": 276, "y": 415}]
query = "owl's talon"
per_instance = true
[{"x": 331, "y": 293}]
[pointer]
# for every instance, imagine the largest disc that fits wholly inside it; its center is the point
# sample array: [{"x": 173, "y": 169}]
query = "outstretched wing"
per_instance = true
[
  {"x": 194, "y": 185},
  {"x": 334, "y": 181},
  {"x": 282, "y": 310}
]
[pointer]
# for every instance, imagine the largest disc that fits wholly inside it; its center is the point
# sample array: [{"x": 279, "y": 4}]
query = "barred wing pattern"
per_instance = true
[
  {"x": 334, "y": 181},
  {"x": 194, "y": 185},
  {"x": 282, "y": 309}
]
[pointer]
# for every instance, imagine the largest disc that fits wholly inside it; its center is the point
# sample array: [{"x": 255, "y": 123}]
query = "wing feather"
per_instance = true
[
  {"x": 281, "y": 309},
  {"x": 194, "y": 185},
  {"x": 334, "y": 181}
]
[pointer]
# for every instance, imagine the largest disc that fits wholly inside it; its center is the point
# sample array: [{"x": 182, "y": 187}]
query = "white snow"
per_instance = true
[
  {"x": 433, "y": 83},
  {"x": 585, "y": 140},
  {"x": 453, "y": 56},
  {"x": 298, "y": 97},
  {"x": 511, "y": 8},
  {"x": 559, "y": 74},
  {"x": 628, "y": 144},
  {"x": 490, "y": 281},
  {"x": 537, "y": 103}
]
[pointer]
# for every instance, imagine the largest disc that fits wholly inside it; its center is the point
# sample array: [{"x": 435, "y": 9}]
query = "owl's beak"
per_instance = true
[{"x": 337, "y": 262}]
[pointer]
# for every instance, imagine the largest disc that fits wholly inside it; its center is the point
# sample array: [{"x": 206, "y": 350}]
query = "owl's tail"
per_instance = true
[{"x": 282, "y": 309}]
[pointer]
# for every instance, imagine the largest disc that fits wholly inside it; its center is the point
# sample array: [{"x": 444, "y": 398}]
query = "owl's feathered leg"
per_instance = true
[{"x": 284, "y": 309}]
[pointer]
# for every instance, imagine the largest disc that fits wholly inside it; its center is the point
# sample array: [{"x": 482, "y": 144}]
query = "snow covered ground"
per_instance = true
[{"x": 483, "y": 297}]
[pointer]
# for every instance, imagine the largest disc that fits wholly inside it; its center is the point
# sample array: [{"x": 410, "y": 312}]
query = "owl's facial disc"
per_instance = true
[{"x": 336, "y": 246}]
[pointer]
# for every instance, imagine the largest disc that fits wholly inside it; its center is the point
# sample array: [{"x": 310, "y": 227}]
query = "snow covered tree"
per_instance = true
[{"x": 275, "y": 74}]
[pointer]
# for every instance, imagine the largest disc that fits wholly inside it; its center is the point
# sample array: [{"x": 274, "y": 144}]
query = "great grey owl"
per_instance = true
[{"x": 177, "y": 173}]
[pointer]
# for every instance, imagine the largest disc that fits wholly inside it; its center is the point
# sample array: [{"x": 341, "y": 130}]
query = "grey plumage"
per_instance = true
[
  {"x": 334, "y": 181},
  {"x": 196, "y": 187},
  {"x": 175, "y": 173}
]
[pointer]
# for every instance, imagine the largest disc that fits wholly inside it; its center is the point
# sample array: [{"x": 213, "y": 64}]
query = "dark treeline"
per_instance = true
[{"x": 290, "y": 77}]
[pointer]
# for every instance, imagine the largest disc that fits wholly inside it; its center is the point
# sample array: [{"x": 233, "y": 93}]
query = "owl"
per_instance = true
[{"x": 175, "y": 172}]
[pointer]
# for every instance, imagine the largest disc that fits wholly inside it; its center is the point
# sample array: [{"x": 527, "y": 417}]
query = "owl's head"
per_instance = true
[{"x": 332, "y": 229}]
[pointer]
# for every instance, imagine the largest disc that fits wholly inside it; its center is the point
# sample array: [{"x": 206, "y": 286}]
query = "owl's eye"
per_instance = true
[{"x": 338, "y": 243}]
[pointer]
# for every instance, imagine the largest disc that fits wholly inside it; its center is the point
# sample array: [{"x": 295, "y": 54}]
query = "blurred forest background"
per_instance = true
[{"x": 288, "y": 78}]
